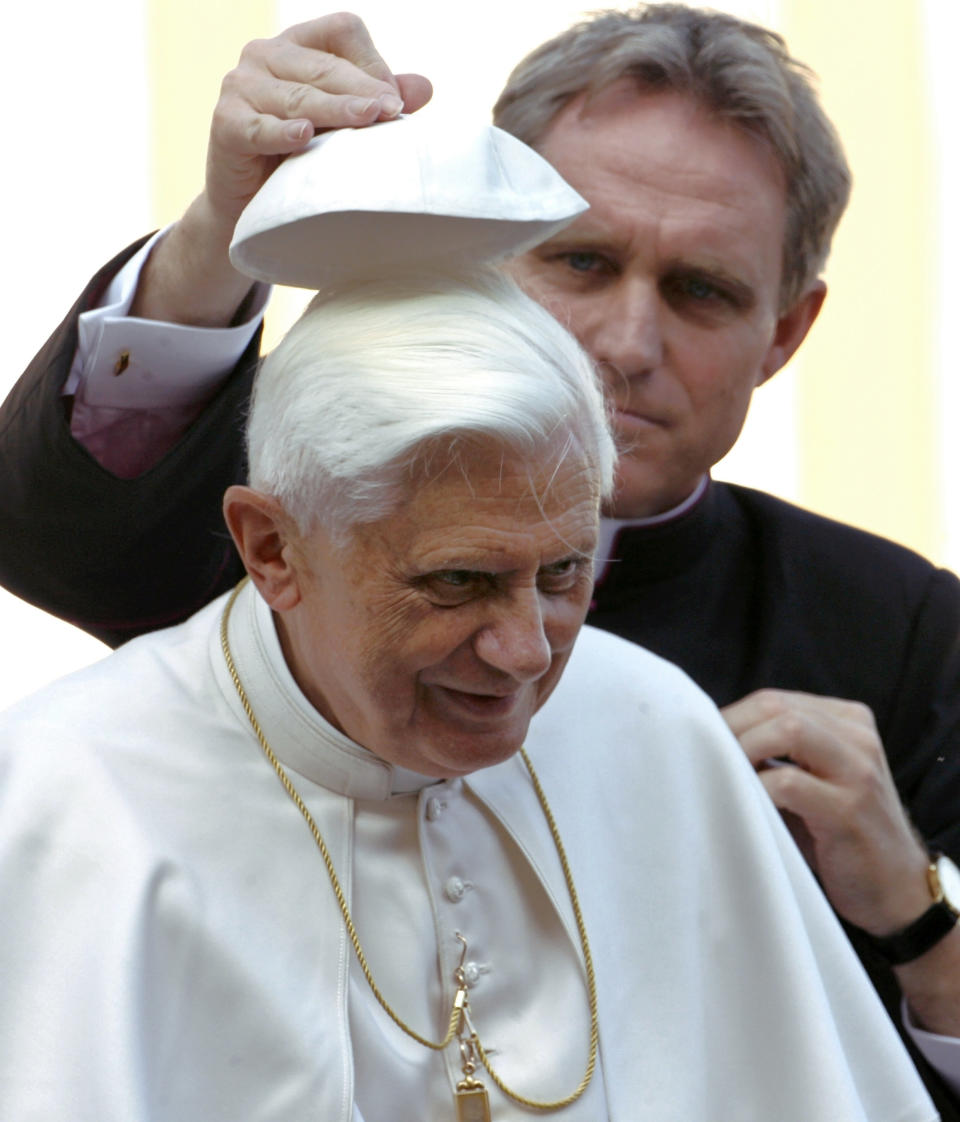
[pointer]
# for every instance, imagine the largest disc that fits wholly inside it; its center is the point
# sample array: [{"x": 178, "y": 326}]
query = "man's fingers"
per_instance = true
[
  {"x": 280, "y": 88},
  {"x": 269, "y": 124},
  {"x": 319, "y": 75},
  {"x": 416, "y": 91},
  {"x": 345, "y": 35},
  {"x": 824, "y": 735},
  {"x": 274, "y": 117},
  {"x": 855, "y": 832},
  {"x": 279, "y": 77},
  {"x": 766, "y": 703},
  {"x": 804, "y": 795},
  {"x": 320, "y": 70}
]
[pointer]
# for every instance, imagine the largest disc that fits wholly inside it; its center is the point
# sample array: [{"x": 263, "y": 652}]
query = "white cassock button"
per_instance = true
[
  {"x": 454, "y": 890},
  {"x": 435, "y": 808},
  {"x": 471, "y": 973}
]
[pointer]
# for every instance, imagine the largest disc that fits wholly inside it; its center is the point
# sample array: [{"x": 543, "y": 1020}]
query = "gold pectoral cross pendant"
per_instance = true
[{"x": 473, "y": 1105}]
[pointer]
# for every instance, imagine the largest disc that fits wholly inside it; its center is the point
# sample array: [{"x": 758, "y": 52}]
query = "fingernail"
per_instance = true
[
  {"x": 390, "y": 105},
  {"x": 298, "y": 130},
  {"x": 360, "y": 106}
]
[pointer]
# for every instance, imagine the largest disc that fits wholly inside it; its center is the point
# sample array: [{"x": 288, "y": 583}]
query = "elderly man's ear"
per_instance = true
[{"x": 265, "y": 537}]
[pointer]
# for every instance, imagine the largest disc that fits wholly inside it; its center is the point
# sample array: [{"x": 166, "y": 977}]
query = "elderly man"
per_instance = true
[
  {"x": 715, "y": 183},
  {"x": 173, "y": 946}
]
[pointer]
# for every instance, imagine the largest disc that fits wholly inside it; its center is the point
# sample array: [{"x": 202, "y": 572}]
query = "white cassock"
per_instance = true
[{"x": 171, "y": 950}]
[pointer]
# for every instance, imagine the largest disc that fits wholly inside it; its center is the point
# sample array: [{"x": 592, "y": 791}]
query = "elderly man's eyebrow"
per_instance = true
[{"x": 506, "y": 565}]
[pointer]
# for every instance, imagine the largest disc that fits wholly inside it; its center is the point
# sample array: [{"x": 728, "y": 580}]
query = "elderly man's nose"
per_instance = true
[
  {"x": 627, "y": 337},
  {"x": 516, "y": 642}
]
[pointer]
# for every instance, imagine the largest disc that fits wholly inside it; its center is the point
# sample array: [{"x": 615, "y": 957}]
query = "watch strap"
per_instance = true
[{"x": 924, "y": 933}]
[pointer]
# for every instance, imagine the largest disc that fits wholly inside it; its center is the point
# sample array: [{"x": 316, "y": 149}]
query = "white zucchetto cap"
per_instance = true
[{"x": 415, "y": 192}]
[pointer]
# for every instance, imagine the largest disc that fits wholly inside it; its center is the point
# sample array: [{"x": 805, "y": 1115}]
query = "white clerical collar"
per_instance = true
[
  {"x": 301, "y": 738},
  {"x": 610, "y": 527}
]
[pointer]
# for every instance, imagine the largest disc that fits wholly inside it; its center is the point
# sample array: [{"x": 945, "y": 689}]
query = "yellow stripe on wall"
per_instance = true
[
  {"x": 865, "y": 378},
  {"x": 193, "y": 44}
]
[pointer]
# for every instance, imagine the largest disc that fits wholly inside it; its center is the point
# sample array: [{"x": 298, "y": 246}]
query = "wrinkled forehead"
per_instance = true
[
  {"x": 665, "y": 156},
  {"x": 555, "y": 473},
  {"x": 487, "y": 500},
  {"x": 626, "y": 100}
]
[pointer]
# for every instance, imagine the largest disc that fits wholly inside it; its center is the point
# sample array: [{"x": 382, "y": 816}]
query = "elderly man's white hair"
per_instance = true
[{"x": 386, "y": 375}]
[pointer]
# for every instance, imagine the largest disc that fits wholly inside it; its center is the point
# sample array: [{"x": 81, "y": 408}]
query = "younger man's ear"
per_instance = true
[
  {"x": 262, "y": 532},
  {"x": 792, "y": 328}
]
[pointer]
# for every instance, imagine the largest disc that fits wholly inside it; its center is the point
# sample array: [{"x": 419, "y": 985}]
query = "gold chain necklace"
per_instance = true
[{"x": 472, "y": 1103}]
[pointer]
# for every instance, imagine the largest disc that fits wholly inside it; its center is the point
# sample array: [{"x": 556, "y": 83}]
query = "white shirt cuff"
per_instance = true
[
  {"x": 128, "y": 363},
  {"x": 941, "y": 1052}
]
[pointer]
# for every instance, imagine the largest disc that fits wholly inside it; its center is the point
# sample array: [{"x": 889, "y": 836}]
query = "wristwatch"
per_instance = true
[{"x": 938, "y": 920}]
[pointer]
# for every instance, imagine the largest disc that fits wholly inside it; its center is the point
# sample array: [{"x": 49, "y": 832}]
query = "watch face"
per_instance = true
[{"x": 949, "y": 876}]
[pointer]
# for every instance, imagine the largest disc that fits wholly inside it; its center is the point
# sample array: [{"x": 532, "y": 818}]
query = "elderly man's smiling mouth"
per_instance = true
[{"x": 476, "y": 704}]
